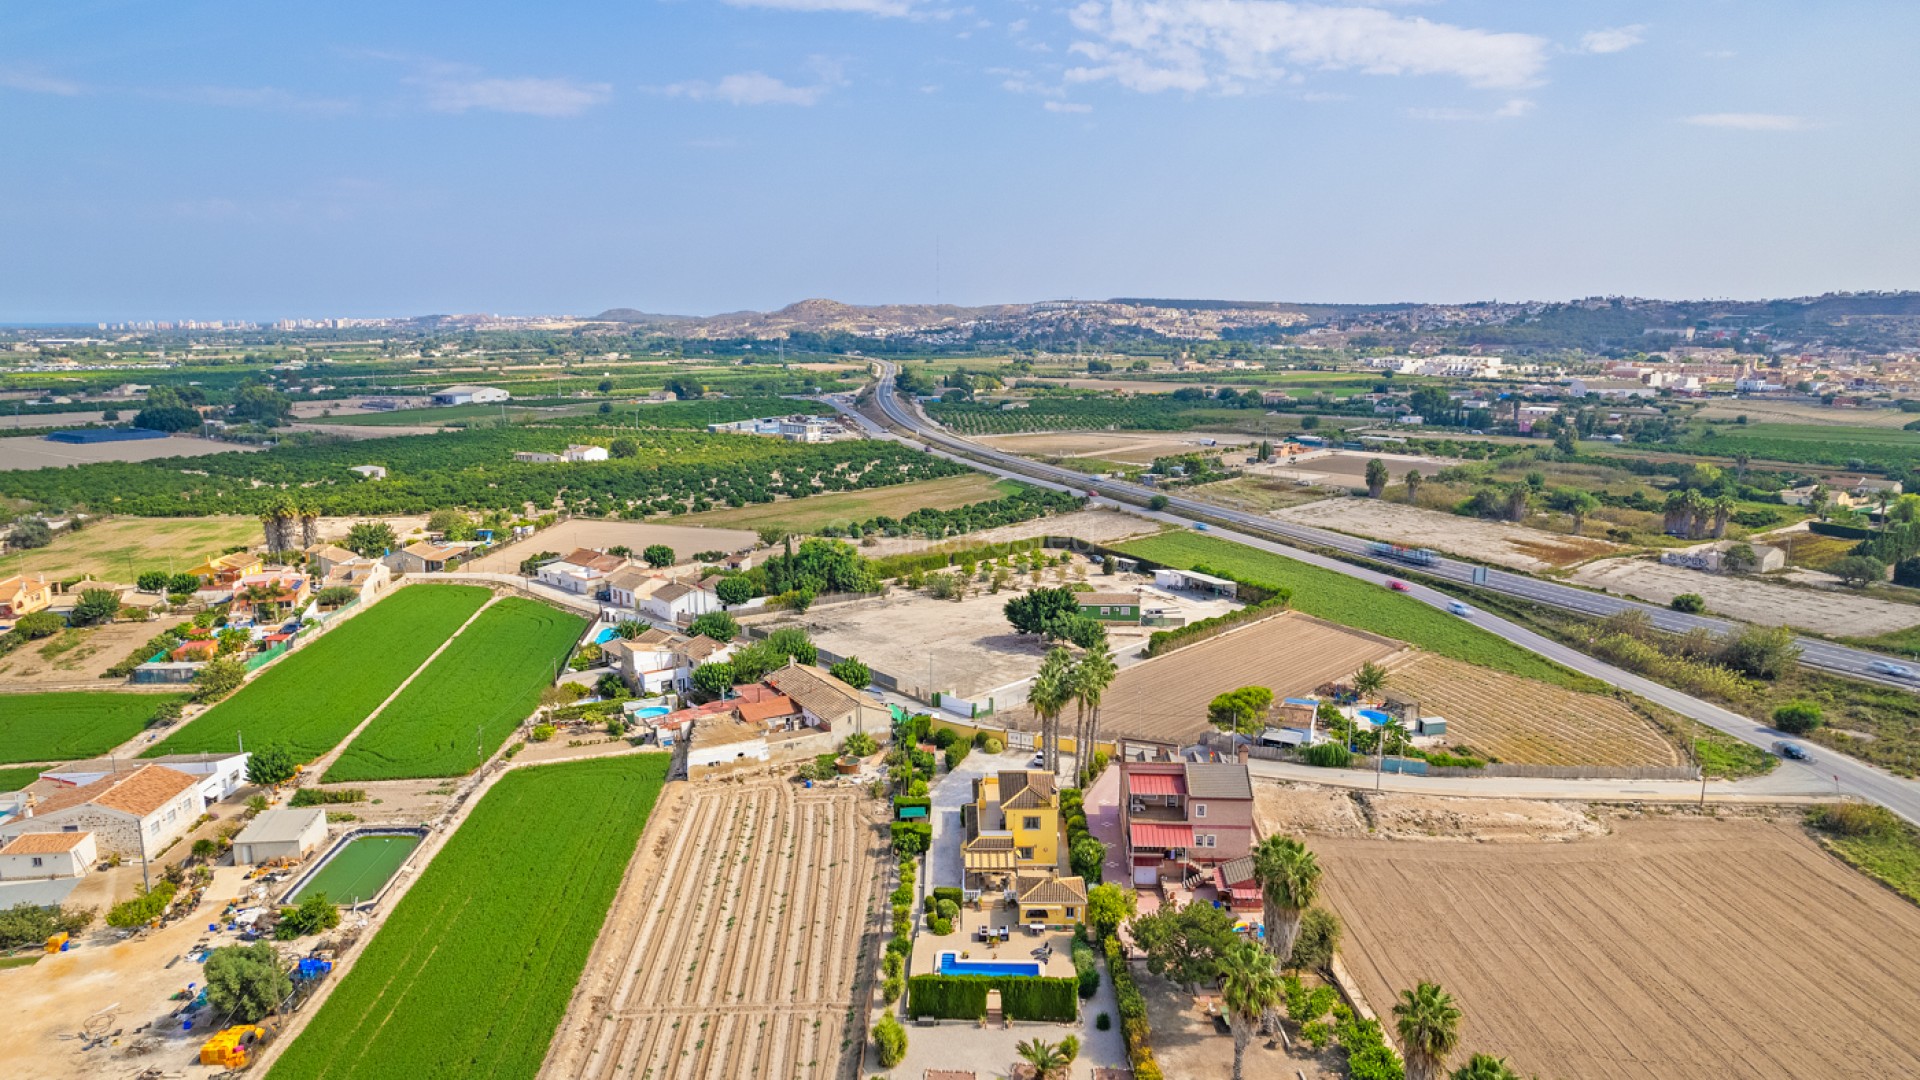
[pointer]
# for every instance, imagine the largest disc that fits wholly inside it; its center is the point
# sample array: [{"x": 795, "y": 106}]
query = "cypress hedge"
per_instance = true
[{"x": 1022, "y": 997}]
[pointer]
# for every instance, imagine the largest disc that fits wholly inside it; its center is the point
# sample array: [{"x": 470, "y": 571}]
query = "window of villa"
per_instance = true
[
  {"x": 1199, "y": 809},
  {"x": 38, "y": 861},
  {"x": 1026, "y": 853},
  {"x": 1071, "y": 913},
  {"x": 1031, "y": 821}
]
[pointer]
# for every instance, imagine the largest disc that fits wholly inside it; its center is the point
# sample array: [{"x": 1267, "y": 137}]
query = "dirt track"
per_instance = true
[
  {"x": 732, "y": 949},
  {"x": 1675, "y": 947}
]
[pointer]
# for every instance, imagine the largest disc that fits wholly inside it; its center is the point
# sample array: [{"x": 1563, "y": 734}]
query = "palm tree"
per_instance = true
[
  {"x": 1369, "y": 679},
  {"x": 1091, "y": 676},
  {"x": 1048, "y": 695},
  {"x": 1413, "y": 486},
  {"x": 1485, "y": 1067},
  {"x": 1045, "y": 1057},
  {"x": 1289, "y": 878},
  {"x": 1429, "y": 1026},
  {"x": 1250, "y": 989},
  {"x": 1723, "y": 507},
  {"x": 309, "y": 522}
]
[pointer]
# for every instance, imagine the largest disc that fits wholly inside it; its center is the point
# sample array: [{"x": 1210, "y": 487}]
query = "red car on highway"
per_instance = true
[{"x": 1397, "y": 586}]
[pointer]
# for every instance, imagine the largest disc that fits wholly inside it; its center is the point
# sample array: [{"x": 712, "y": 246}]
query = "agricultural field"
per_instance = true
[
  {"x": 1093, "y": 412},
  {"x": 1338, "y": 598},
  {"x": 1256, "y": 494},
  {"x": 1097, "y": 451},
  {"x": 118, "y": 549},
  {"x": 767, "y": 891},
  {"x": 1879, "y": 448},
  {"x": 71, "y": 726},
  {"x": 1760, "y": 411},
  {"x": 78, "y": 654},
  {"x": 810, "y": 514},
  {"x": 600, "y": 535},
  {"x": 1165, "y": 698},
  {"x": 1640, "y": 953},
  {"x": 16, "y": 778},
  {"x": 1499, "y": 543},
  {"x": 457, "y": 711},
  {"x": 442, "y": 415},
  {"x": 30, "y": 452},
  {"x": 1099, "y": 526},
  {"x": 309, "y": 700},
  {"x": 1837, "y": 611},
  {"x": 1525, "y": 722},
  {"x": 471, "y": 973}
]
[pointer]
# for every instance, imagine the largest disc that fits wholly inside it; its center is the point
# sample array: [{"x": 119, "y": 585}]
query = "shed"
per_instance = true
[
  {"x": 285, "y": 833},
  {"x": 1194, "y": 581}
]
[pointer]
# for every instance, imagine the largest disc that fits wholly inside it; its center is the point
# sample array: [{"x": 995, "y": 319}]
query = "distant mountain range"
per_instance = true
[{"x": 1873, "y": 321}]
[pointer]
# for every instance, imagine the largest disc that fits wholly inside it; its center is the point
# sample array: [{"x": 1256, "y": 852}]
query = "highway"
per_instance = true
[{"x": 1848, "y": 775}]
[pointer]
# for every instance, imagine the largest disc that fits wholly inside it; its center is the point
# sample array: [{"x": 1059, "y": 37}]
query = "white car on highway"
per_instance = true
[{"x": 1887, "y": 667}]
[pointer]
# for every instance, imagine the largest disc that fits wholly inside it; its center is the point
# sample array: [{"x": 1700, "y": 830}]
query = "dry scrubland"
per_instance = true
[
  {"x": 35, "y": 452},
  {"x": 732, "y": 949},
  {"x": 1790, "y": 412},
  {"x": 1132, "y": 448},
  {"x": 1523, "y": 721},
  {"x": 1846, "y": 612},
  {"x": 1672, "y": 947},
  {"x": 118, "y": 549},
  {"x": 1166, "y": 698},
  {"x": 1503, "y": 544},
  {"x": 594, "y": 533},
  {"x": 1093, "y": 526},
  {"x": 849, "y": 507}
]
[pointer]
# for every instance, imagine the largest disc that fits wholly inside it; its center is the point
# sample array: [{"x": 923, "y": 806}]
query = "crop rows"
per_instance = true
[
  {"x": 1814, "y": 444},
  {"x": 1526, "y": 722},
  {"x": 62, "y": 727},
  {"x": 310, "y": 700},
  {"x": 471, "y": 973},
  {"x": 1352, "y": 602},
  {"x": 1158, "y": 412},
  {"x": 454, "y": 714}
]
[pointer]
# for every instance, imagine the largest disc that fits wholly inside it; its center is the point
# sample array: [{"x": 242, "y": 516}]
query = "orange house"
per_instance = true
[{"x": 24, "y": 594}]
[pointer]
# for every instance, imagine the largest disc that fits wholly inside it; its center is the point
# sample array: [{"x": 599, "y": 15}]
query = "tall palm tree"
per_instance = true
[
  {"x": 1045, "y": 1057},
  {"x": 1250, "y": 989},
  {"x": 309, "y": 521},
  {"x": 1092, "y": 674},
  {"x": 1369, "y": 679},
  {"x": 1048, "y": 695},
  {"x": 1289, "y": 877},
  {"x": 1485, "y": 1067},
  {"x": 1723, "y": 507},
  {"x": 1429, "y": 1026}
]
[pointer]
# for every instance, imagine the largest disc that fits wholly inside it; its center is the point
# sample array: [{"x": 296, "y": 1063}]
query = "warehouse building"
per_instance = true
[{"x": 285, "y": 833}]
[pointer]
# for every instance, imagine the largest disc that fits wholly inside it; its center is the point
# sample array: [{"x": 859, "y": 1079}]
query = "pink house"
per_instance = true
[{"x": 1183, "y": 820}]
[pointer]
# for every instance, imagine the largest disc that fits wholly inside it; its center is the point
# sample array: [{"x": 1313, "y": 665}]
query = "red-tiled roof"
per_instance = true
[
  {"x": 1156, "y": 784},
  {"x": 1154, "y": 834},
  {"x": 766, "y": 709}
]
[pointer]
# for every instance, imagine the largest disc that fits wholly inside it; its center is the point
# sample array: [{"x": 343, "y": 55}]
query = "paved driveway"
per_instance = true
[{"x": 949, "y": 794}]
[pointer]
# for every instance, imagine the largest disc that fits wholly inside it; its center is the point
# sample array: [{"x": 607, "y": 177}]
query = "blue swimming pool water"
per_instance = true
[
  {"x": 951, "y": 964},
  {"x": 1375, "y": 715},
  {"x": 605, "y": 635},
  {"x": 652, "y": 710}
]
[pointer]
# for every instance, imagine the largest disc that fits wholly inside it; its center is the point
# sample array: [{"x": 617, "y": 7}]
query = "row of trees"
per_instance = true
[{"x": 1081, "y": 681}]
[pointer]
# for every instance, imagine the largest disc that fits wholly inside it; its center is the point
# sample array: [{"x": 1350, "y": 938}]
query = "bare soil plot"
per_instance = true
[
  {"x": 1391, "y": 815},
  {"x": 1841, "y": 612},
  {"x": 1504, "y": 544},
  {"x": 582, "y": 532},
  {"x": 1794, "y": 412},
  {"x": 118, "y": 549},
  {"x": 54, "y": 420},
  {"x": 1166, "y": 698},
  {"x": 1674, "y": 947},
  {"x": 1186, "y": 1044},
  {"x": 1527, "y": 722},
  {"x": 733, "y": 947},
  {"x": 1258, "y": 494},
  {"x": 79, "y": 655},
  {"x": 34, "y": 452},
  {"x": 1348, "y": 468},
  {"x": 1093, "y": 526},
  {"x": 847, "y": 507},
  {"x": 1132, "y": 447}
]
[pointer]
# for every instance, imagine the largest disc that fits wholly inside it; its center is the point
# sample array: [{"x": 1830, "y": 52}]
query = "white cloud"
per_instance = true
[
  {"x": 35, "y": 83},
  {"x": 1512, "y": 110},
  {"x": 1226, "y": 45},
  {"x": 746, "y": 88},
  {"x": 255, "y": 97},
  {"x": 1066, "y": 106},
  {"x": 1617, "y": 39},
  {"x": 886, "y": 9},
  {"x": 448, "y": 92},
  {"x": 1748, "y": 121}
]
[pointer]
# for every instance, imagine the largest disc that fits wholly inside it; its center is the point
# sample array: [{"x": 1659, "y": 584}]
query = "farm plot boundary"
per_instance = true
[
  {"x": 472, "y": 972},
  {"x": 66, "y": 726},
  {"x": 309, "y": 701}
]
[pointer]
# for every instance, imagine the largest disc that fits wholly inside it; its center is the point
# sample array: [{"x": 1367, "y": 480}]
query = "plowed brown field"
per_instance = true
[
  {"x": 1672, "y": 948},
  {"x": 1527, "y": 722},
  {"x": 1165, "y": 699},
  {"x": 732, "y": 950}
]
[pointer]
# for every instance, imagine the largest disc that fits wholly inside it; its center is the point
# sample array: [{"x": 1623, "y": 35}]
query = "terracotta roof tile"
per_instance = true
[{"x": 45, "y": 843}]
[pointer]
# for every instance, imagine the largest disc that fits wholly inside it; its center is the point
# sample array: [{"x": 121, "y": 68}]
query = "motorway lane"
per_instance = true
[{"x": 1848, "y": 775}]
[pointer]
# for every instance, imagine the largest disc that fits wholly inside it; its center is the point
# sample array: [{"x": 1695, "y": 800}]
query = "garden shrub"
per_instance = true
[
  {"x": 1854, "y": 819},
  {"x": 1086, "y": 969},
  {"x": 1103, "y": 1022},
  {"x": 1797, "y": 717},
  {"x": 992, "y": 745},
  {"x": 891, "y": 1038},
  {"x": 1327, "y": 755}
]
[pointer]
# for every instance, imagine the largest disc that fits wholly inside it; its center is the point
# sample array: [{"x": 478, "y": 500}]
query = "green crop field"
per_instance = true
[
  {"x": 309, "y": 701},
  {"x": 15, "y": 779},
  {"x": 67, "y": 726},
  {"x": 1089, "y": 413},
  {"x": 1352, "y": 602},
  {"x": 1813, "y": 444},
  {"x": 471, "y": 974},
  {"x": 465, "y": 704}
]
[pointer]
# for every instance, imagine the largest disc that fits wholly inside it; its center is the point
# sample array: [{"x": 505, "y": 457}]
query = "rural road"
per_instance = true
[
  {"x": 1781, "y": 785},
  {"x": 1846, "y": 774}
]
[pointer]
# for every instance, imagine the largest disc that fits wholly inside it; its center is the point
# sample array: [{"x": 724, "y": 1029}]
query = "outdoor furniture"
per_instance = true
[{"x": 1220, "y": 1025}]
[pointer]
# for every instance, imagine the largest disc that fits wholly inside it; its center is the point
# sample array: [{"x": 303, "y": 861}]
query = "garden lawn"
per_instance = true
[
  {"x": 310, "y": 700},
  {"x": 472, "y": 972},
  {"x": 1351, "y": 602},
  {"x": 66, "y": 727},
  {"x": 489, "y": 679}
]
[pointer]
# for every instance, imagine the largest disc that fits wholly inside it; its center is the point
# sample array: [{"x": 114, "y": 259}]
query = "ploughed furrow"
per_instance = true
[{"x": 735, "y": 951}]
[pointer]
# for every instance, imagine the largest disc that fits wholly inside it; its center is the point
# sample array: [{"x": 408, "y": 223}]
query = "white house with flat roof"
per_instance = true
[
  {"x": 41, "y": 856},
  {"x": 220, "y": 775}
]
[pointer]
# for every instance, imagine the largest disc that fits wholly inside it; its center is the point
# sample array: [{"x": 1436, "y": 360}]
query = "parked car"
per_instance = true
[
  {"x": 1397, "y": 585},
  {"x": 1887, "y": 667},
  {"x": 1791, "y": 751},
  {"x": 1460, "y": 609},
  {"x": 1039, "y": 761}
]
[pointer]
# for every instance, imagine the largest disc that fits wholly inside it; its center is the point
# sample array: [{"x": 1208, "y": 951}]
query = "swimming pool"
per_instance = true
[
  {"x": 951, "y": 964},
  {"x": 605, "y": 635},
  {"x": 359, "y": 866},
  {"x": 651, "y": 711},
  {"x": 1376, "y": 716}
]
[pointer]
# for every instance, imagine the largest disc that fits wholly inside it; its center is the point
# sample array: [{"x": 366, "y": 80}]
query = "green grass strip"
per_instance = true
[
  {"x": 64, "y": 727},
  {"x": 1351, "y": 602},
  {"x": 471, "y": 974},
  {"x": 309, "y": 701},
  {"x": 458, "y": 711}
]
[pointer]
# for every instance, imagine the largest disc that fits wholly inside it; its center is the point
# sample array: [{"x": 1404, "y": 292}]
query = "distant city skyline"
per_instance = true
[{"x": 205, "y": 162}]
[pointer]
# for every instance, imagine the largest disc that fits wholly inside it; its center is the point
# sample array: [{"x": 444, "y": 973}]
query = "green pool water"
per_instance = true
[{"x": 359, "y": 870}]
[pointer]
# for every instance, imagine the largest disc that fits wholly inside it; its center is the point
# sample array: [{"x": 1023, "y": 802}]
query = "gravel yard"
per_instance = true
[
  {"x": 1501, "y": 543},
  {"x": 1748, "y": 600}
]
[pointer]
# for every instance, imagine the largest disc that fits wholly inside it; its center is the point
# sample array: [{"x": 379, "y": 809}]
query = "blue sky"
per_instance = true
[{"x": 203, "y": 160}]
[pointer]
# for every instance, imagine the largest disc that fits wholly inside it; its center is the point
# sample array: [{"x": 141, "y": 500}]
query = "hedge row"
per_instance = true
[
  {"x": 1133, "y": 1015},
  {"x": 1022, "y": 997},
  {"x": 1263, "y": 600}
]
